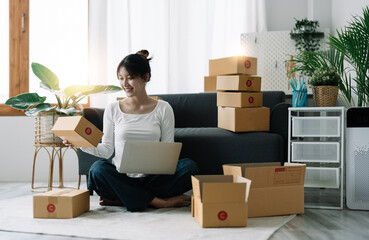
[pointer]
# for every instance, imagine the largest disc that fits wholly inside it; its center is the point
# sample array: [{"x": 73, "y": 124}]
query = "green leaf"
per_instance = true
[
  {"x": 76, "y": 90},
  {"x": 46, "y": 76},
  {"x": 68, "y": 111},
  {"x": 25, "y": 100},
  {"x": 43, "y": 107},
  {"x": 85, "y": 90}
]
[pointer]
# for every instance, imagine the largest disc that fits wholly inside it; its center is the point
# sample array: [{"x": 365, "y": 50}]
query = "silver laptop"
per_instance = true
[{"x": 150, "y": 157}]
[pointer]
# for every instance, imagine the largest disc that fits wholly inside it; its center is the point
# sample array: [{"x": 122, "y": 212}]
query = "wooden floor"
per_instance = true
[{"x": 314, "y": 224}]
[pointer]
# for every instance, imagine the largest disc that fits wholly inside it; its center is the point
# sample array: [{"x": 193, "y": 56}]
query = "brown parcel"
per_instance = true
[
  {"x": 239, "y": 83},
  {"x": 275, "y": 190},
  {"x": 61, "y": 203},
  {"x": 210, "y": 84},
  {"x": 240, "y": 99},
  {"x": 220, "y": 201},
  {"x": 244, "y": 119},
  {"x": 78, "y": 131},
  {"x": 233, "y": 65}
]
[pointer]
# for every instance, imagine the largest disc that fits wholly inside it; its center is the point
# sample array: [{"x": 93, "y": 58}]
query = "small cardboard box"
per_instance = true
[
  {"x": 220, "y": 201},
  {"x": 78, "y": 131},
  {"x": 61, "y": 203},
  {"x": 275, "y": 190},
  {"x": 239, "y": 83},
  {"x": 240, "y": 99},
  {"x": 244, "y": 119},
  {"x": 210, "y": 83},
  {"x": 233, "y": 65}
]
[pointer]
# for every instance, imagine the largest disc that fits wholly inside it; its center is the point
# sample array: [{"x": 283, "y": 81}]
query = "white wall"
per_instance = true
[
  {"x": 281, "y": 13},
  {"x": 17, "y": 150},
  {"x": 343, "y": 10}
]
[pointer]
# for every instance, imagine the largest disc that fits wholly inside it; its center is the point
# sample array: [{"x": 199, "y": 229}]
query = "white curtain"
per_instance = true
[{"x": 181, "y": 36}]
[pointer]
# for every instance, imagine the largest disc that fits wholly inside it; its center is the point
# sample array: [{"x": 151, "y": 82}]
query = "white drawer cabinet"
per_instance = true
[
  {"x": 315, "y": 126},
  {"x": 316, "y": 138},
  {"x": 315, "y": 152},
  {"x": 320, "y": 177}
]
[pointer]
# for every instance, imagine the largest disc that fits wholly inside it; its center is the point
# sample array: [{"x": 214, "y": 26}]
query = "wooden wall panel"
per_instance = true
[{"x": 18, "y": 46}]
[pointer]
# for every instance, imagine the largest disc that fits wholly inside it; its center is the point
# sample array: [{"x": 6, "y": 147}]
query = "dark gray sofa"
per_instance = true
[{"x": 211, "y": 147}]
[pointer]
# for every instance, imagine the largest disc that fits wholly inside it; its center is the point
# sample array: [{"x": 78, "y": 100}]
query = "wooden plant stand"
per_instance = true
[{"x": 44, "y": 139}]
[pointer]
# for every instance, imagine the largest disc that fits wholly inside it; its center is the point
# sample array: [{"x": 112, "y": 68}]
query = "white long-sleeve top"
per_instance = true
[{"x": 156, "y": 126}]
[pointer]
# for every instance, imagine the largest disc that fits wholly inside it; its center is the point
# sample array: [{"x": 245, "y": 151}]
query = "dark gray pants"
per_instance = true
[{"x": 137, "y": 193}]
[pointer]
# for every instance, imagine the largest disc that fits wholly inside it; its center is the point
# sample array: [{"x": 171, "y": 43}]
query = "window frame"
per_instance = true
[{"x": 19, "y": 54}]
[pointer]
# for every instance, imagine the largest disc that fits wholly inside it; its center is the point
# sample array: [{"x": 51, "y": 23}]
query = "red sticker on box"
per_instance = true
[
  {"x": 88, "y": 131},
  {"x": 222, "y": 215},
  {"x": 51, "y": 208},
  {"x": 280, "y": 170},
  {"x": 247, "y": 63},
  {"x": 251, "y": 99},
  {"x": 248, "y": 83}
]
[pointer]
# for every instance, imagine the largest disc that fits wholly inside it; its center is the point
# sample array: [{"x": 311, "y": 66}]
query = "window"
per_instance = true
[
  {"x": 51, "y": 32},
  {"x": 59, "y": 41}
]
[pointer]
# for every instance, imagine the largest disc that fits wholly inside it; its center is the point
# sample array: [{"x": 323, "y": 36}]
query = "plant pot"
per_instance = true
[
  {"x": 325, "y": 96},
  {"x": 44, "y": 122}
]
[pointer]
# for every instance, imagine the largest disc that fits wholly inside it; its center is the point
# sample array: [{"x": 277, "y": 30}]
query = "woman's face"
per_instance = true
[{"x": 131, "y": 85}]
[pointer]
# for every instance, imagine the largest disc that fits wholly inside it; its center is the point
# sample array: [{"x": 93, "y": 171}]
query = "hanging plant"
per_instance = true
[{"x": 306, "y": 36}]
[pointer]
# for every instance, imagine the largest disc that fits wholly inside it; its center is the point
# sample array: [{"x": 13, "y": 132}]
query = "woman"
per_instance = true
[{"x": 137, "y": 117}]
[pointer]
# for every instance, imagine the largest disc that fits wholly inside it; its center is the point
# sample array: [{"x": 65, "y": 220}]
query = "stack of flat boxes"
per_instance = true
[{"x": 239, "y": 100}]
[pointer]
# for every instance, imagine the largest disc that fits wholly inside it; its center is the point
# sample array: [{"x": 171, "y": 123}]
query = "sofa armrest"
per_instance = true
[{"x": 279, "y": 123}]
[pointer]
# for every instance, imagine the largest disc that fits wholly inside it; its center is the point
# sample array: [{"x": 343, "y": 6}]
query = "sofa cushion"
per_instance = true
[
  {"x": 213, "y": 147},
  {"x": 193, "y": 109}
]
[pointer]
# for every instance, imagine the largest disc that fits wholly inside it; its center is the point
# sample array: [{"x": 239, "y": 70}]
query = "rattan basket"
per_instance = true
[
  {"x": 43, "y": 125},
  {"x": 325, "y": 96}
]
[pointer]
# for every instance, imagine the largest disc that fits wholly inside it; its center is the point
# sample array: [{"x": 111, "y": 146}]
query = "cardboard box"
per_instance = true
[
  {"x": 220, "y": 201},
  {"x": 244, "y": 119},
  {"x": 61, "y": 203},
  {"x": 78, "y": 131},
  {"x": 240, "y": 99},
  {"x": 210, "y": 83},
  {"x": 239, "y": 83},
  {"x": 275, "y": 190},
  {"x": 233, "y": 65}
]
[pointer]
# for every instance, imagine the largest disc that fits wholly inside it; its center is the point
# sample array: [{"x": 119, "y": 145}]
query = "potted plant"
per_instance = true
[
  {"x": 324, "y": 83},
  {"x": 67, "y": 99},
  {"x": 349, "y": 56},
  {"x": 307, "y": 62},
  {"x": 67, "y": 102},
  {"x": 353, "y": 43}
]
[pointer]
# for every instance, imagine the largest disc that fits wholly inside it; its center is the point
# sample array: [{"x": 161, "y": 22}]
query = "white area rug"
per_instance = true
[{"x": 116, "y": 223}]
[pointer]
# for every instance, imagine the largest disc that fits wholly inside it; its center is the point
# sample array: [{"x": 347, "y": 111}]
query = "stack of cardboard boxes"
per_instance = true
[
  {"x": 239, "y": 100},
  {"x": 276, "y": 189}
]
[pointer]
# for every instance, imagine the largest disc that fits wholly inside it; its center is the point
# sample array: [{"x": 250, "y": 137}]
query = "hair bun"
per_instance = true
[{"x": 144, "y": 53}]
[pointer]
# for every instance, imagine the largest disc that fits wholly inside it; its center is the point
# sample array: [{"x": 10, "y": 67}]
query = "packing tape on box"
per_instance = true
[{"x": 52, "y": 203}]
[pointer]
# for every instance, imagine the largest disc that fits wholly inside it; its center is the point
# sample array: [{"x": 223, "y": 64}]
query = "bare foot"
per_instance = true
[
  {"x": 107, "y": 202},
  {"x": 177, "y": 201}
]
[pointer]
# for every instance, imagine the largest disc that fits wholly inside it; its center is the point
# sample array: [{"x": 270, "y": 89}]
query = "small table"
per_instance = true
[{"x": 55, "y": 151}]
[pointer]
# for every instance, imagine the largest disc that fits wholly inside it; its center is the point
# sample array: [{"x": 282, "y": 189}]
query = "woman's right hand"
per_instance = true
[{"x": 67, "y": 144}]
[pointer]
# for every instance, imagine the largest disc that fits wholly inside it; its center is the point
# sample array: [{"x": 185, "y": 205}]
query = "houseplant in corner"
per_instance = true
[
  {"x": 353, "y": 42},
  {"x": 67, "y": 102},
  {"x": 324, "y": 83}
]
